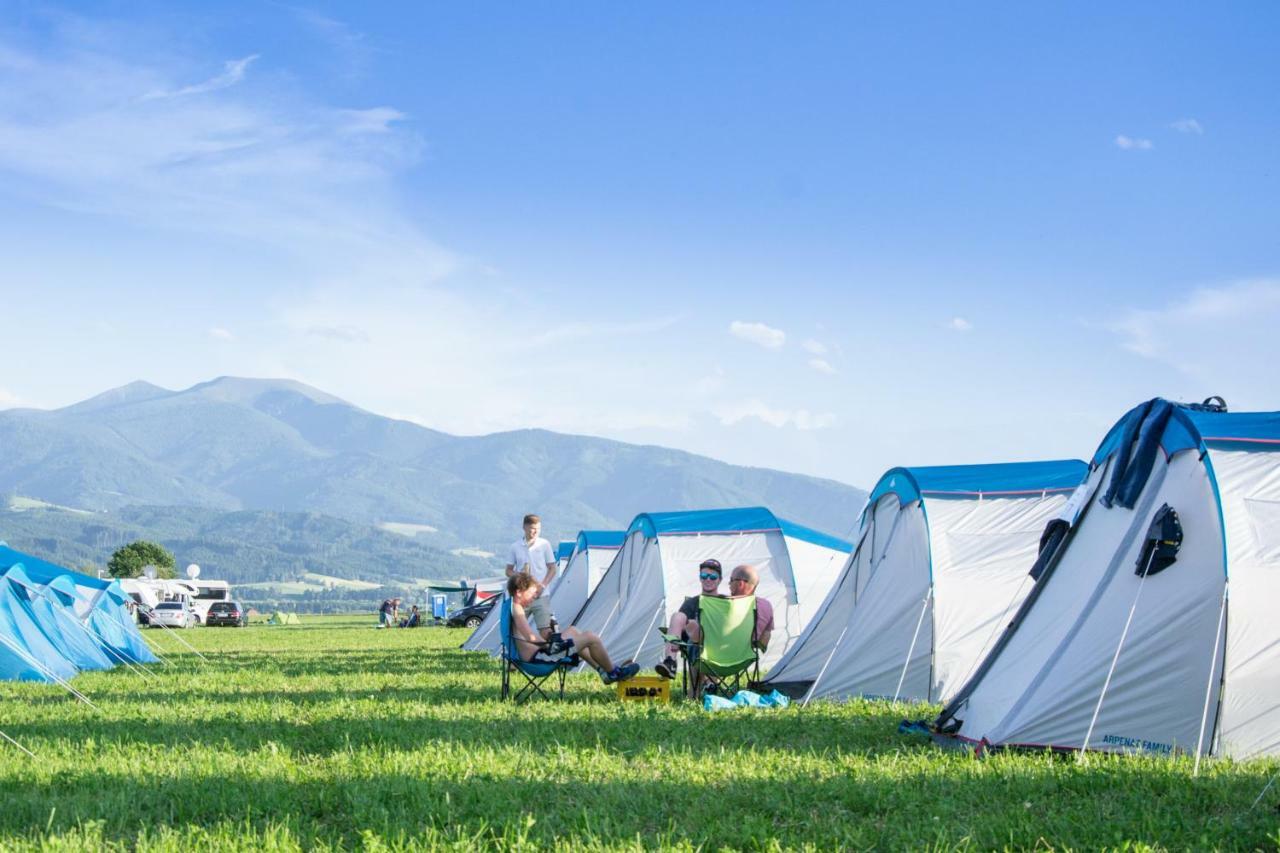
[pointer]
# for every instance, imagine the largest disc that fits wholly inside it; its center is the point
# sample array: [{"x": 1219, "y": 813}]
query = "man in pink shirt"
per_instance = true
[{"x": 743, "y": 581}]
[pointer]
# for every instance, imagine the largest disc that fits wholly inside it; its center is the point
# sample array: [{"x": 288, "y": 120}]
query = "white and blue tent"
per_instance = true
[
  {"x": 941, "y": 564},
  {"x": 657, "y": 567},
  {"x": 590, "y": 554},
  {"x": 1128, "y": 640},
  {"x": 563, "y": 552},
  {"x": 100, "y": 605}
]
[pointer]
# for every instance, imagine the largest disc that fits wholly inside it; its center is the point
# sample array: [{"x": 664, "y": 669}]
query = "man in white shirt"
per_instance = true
[{"x": 534, "y": 554}]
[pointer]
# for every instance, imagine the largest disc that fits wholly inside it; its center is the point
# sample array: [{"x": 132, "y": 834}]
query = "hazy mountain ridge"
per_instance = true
[{"x": 260, "y": 444}]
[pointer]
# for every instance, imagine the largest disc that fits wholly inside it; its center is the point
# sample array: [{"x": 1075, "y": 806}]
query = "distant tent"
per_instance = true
[
  {"x": 1128, "y": 641},
  {"x": 563, "y": 552},
  {"x": 657, "y": 565},
  {"x": 100, "y": 604},
  {"x": 941, "y": 565},
  {"x": 591, "y": 554},
  {"x": 282, "y": 618}
]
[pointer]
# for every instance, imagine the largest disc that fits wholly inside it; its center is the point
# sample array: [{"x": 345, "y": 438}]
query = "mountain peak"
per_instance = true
[
  {"x": 246, "y": 390},
  {"x": 135, "y": 392}
]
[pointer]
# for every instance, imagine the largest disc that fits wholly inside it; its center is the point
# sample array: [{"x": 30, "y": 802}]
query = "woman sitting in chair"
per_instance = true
[{"x": 523, "y": 589}]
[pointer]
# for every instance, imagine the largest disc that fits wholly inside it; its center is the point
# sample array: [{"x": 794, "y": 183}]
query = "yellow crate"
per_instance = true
[{"x": 644, "y": 688}]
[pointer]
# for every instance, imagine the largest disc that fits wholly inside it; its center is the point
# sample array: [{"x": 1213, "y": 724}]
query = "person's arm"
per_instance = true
[
  {"x": 511, "y": 569},
  {"x": 551, "y": 574},
  {"x": 521, "y": 628}
]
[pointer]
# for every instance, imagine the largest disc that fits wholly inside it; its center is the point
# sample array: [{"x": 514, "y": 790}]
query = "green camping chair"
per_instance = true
[{"x": 727, "y": 652}]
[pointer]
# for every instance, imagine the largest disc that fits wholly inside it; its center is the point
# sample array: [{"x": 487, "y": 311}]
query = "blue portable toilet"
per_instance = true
[{"x": 439, "y": 605}]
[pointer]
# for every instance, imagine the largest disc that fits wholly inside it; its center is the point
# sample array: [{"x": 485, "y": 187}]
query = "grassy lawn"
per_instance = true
[{"x": 335, "y": 735}]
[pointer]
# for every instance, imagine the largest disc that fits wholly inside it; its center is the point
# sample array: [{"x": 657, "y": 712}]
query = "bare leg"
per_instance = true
[
  {"x": 590, "y": 648},
  {"x": 678, "y": 623}
]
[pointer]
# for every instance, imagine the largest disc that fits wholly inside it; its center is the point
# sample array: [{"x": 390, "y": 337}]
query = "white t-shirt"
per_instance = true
[{"x": 536, "y": 555}]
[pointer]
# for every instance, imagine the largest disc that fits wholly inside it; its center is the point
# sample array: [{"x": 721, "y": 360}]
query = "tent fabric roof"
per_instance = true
[
  {"x": 564, "y": 549},
  {"x": 756, "y": 519},
  {"x": 1189, "y": 428},
  {"x": 42, "y": 571},
  {"x": 1004, "y": 478},
  {"x": 601, "y": 538}
]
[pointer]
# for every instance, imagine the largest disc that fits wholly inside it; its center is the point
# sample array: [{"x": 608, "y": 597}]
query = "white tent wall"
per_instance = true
[
  {"x": 807, "y": 656},
  {"x": 1156, "y": 695},
  {"x": 486, "y": 637},
  {"x": 1249, "y": 491},
  {"x": 626, "y": 596},
  {"x": 891, "y": 613},
  {"x": 982, "y": 550}
]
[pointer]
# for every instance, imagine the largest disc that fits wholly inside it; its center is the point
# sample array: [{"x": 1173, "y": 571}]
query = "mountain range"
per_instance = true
[{"x": 235, "y": 445}]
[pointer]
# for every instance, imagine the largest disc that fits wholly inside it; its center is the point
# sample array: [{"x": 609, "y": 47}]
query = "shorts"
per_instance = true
[{"x": 539, "y": 613}]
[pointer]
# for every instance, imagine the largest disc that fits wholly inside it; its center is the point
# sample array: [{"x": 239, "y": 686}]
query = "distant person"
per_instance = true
[
  {"x": 534, "y": 555},
  {"x": 384, "y": 614},
  {"x": 414, "y": 619},
  {"x": 523, "y": 590},
  {"x": 684, "y": 622}
]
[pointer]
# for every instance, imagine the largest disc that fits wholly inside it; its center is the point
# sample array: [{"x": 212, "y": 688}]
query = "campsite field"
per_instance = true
[{"x": 335, "y": 735}]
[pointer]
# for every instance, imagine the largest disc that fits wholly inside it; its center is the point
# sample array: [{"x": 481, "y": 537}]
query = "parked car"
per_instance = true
[
  {"x": 231, "y": 613},
  {"x": 472, "y": 615},
  {"x": 175, "y": 614}
]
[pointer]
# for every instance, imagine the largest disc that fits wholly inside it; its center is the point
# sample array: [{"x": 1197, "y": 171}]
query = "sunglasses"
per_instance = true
[{"x": 708, "y": 576}]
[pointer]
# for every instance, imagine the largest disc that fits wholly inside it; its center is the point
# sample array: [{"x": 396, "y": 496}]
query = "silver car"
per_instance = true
[{"x": 175, "y": 614}]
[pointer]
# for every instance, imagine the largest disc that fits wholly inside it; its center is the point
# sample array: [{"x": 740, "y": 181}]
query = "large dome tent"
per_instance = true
[
  {"x": 1129, "y": 640},
  {"x": 941, "y": 560},
  {"x": 656, "y": 568}
]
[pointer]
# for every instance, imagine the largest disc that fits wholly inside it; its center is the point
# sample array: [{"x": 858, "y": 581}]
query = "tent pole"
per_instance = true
[
  {"x": 1208, "y": 688},
  {"x": 105, "y": 648},
  {"x": 652, "y": 622},
  {"x": 180, "y": 640},
  {"x": 59, "y": 680},
  {"x": 18, "y": 745},
  {"x": 924, "y": 608},
  {"x": 1114, "y": 660},
  {"x": 812, "y": 687}
]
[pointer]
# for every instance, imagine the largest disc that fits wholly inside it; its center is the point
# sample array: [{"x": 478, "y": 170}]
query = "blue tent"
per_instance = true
[
  {"x": 100, "y": 604},
  {"x": 57, "y": 619},
  {"x": 26, "y": 653}
]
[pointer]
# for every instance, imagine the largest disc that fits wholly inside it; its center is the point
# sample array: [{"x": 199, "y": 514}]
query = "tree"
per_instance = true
[{"x": 129, "y": 561}]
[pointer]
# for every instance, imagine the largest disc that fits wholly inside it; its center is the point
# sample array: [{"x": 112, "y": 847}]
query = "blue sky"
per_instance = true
[{"x": 808, "y": 236}]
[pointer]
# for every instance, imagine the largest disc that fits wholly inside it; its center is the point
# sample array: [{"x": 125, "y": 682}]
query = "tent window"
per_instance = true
[{"x": 1264, "y": 518}]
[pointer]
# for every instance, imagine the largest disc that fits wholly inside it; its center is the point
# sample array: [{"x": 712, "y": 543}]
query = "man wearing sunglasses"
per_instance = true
[{"x": 684, "y": 622}]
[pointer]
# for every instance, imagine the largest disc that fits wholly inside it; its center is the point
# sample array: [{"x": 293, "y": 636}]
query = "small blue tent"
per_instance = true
[
  {"x": 26, "y": 653},
  {"x": 58, "y": 621}
]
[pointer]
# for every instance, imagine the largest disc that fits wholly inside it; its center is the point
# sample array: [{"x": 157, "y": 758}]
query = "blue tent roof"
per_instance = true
[
  {"x": 56, "y": 620},
  {"x": 1004, "y": 478},
  {"x": 564, "y": 550},
  {"x": 1189, "y": 428},
  {"x": 601, "y": 539},
  {"x": 740, "y": 520},
  {"x": 42, "y": 571}
]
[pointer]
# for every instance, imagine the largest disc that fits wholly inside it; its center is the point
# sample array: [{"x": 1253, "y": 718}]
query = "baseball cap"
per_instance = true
[{"x": 712, "y": 564}]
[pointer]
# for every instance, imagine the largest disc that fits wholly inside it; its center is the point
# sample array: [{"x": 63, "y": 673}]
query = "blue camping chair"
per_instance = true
[{"x": 534, "y": 671}]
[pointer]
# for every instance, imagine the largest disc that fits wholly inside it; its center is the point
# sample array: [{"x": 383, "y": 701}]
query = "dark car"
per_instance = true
[
  {"x": 471, "y": 615},
  {"x": 227, "y": 613}
]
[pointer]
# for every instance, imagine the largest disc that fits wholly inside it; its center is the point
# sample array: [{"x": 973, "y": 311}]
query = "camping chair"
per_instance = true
[
  {"x": 727, "y": 652},
  {"x": 534, "y": 671}
]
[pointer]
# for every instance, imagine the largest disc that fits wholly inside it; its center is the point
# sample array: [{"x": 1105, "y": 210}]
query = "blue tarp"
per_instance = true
[
  {"x": 743, "y": 519},
  {"x": 1004, "y": 478},
  {"x": 564, "y": 550},
  {"x": 601, "y": 539},
  {"x": 1192, "y": 429}
]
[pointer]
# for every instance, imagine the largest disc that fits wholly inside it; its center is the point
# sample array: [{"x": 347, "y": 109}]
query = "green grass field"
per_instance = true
[{"x": 336, "y": 735}]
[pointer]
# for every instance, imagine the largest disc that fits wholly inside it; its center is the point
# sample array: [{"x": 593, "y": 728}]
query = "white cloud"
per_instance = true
[
  {"x": 111, "y": 134},
  {"x": 1130, "y": 143},
  {"x": 814, "y": 347},
  {"x": 1221, "y": 337},
  {"x": 801, "y": 419},
  {"x": 220, "y": 334},
  {"x": 233, "y": 71},
  {"x": 1187, "y": 125},
  {"x": 822, "y": 366},
  {"x": 758, "y": 334},
  {"x": 959, "y": 324}
]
